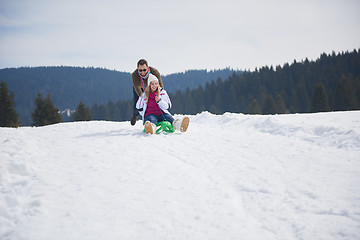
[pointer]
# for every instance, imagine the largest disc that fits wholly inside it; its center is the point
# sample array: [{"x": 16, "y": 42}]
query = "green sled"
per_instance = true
[{"x": 165, "y": 127}]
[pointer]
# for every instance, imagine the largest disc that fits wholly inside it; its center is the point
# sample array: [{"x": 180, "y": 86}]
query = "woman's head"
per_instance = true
[{"x": 153, "y": 85}]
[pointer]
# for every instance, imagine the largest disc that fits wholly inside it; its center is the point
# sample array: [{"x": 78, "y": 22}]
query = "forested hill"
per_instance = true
[
  {"x": 194, "y": 78},
  {"x": 331, "y": 83},
  {"x": 70, "y": 85}
]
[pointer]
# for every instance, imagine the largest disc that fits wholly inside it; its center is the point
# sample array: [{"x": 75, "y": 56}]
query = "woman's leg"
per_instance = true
[
  {"x": 167, "y": 117},
  {"x": 152, "y": 118}
]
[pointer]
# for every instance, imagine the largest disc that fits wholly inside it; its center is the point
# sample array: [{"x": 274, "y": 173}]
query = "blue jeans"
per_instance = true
[{"x": 158, "y": 118}]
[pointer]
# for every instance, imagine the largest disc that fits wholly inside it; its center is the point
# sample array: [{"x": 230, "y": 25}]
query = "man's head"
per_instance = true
[{"x": 142, "y": 67}]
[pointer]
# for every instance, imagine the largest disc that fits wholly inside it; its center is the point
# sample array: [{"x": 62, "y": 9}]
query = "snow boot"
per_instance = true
[
  {"x": 181, "y": 124},
  {"x": 133, "y": 120},
  {"x": 150, "y": 127}
]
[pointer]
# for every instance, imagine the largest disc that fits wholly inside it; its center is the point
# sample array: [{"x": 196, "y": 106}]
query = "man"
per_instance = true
[{"x": 140, "y": 81}]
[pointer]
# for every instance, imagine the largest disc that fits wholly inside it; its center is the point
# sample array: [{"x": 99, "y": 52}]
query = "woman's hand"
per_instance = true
[{"x": 157, "y": 98}]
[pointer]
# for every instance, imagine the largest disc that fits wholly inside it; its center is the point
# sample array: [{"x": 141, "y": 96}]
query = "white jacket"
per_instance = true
[{"x": 164, "y": 103}]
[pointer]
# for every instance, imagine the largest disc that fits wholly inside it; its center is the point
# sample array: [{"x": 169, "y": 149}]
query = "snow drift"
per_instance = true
[{"x": 230, "y": 176}]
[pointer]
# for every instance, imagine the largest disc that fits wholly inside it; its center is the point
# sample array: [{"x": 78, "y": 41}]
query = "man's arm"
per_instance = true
[{"x": 136, "y": 82}]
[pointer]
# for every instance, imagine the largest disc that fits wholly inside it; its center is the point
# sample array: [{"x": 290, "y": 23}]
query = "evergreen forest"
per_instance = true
[
  {"x": 330, "y": 83},
  {"x": 68, "y": 86}
]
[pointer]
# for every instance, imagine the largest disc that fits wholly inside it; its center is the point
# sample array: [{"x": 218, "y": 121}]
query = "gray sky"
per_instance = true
[{"x": 174, "y": 36}]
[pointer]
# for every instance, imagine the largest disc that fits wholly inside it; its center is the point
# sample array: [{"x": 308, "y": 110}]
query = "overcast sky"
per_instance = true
[{"x": 174, "y": 36}]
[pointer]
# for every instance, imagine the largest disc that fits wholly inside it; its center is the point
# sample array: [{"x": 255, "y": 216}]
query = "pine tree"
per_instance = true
[
  {"x": 357, "y": 89},
  {"x": 269, "y": 106},
  {"x": 54, "y": 112},
  {"x": 231, "y": 100},
  {"x": 303, "y": 99},
  {"x": 94, "y": 111},
  {"x": 199, "y": 99},
  {"x": 218, "y": 104},
  {"x": 213, "y": 109},
  {"x": 345, "y": 98},
  {"x": 189, "y": 103},
  {"x": 113, "y": 111},
  {"x": 280, "y": 104},
  {"x": 104, "y": 112},
  {"x": 319, "y": 99},
  {"x": 8, "y": 115},
  {"x": 45, "y": 112},
  {"x": 294, "y": 104},
  {"x": 254, "y": 107},
  {"x": 125, "y": 110},
  {"x": 82, "y": 113}
]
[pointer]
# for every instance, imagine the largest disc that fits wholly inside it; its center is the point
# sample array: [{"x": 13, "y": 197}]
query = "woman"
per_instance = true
[{"x": 153, "y": 106}]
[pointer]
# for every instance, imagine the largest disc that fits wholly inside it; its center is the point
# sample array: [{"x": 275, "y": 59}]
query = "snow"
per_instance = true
[{"x": 230, "y": 176}]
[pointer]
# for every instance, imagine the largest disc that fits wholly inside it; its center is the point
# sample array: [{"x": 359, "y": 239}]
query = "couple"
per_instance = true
[{"x": 151, "y": 100}]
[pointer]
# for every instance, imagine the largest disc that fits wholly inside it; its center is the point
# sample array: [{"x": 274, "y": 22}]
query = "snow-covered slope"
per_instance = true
[{"x": 231, "y": 176}]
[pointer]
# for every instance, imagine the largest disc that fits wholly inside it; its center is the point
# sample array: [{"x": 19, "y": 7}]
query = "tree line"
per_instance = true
[
  {"x": 333, "y": 80},
  {"x": 45, "y": 112},
  {"x": 331, "y": 83},
  {"x": 70, "y": 85}
]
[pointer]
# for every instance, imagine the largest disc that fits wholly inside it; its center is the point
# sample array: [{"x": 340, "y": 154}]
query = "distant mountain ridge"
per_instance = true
[
  {"x": 70, "y": 85},
  {"x": 194, "y": 78}
]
